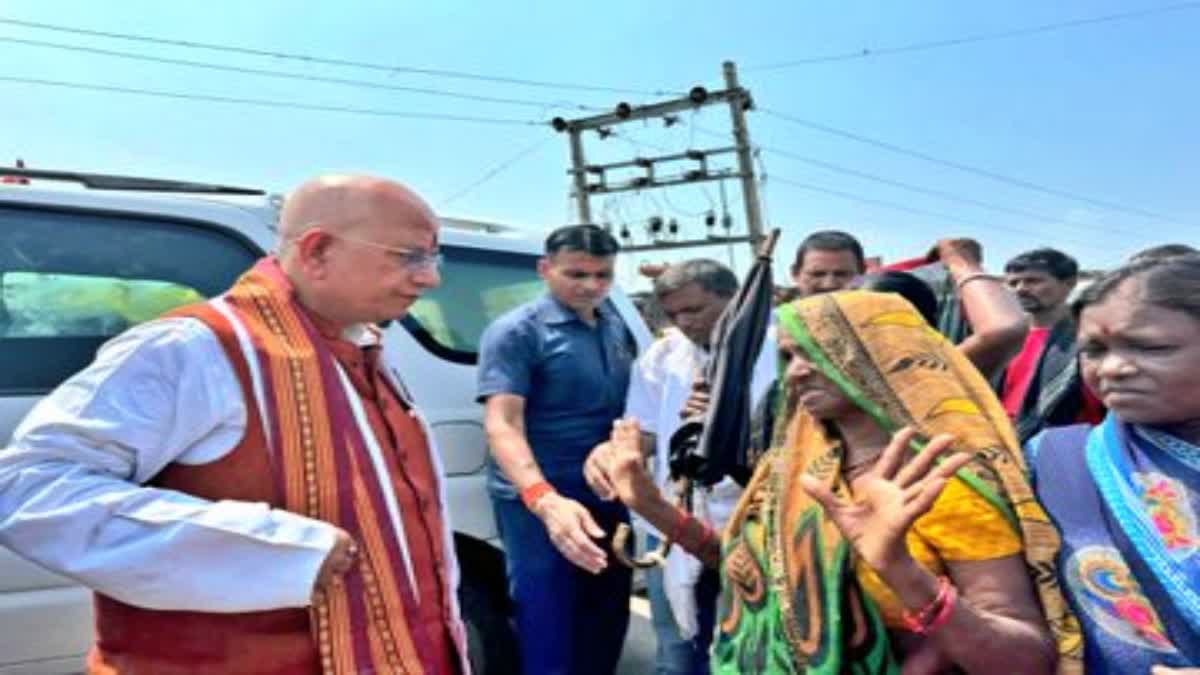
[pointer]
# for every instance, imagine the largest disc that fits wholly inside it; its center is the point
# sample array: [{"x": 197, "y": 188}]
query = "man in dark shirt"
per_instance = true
[
  {"x": 1041, "y": 386},
  {"x": 553, "y": 374}
]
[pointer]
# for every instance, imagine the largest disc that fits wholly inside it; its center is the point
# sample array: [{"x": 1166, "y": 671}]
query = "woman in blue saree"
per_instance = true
[{"x": 1125, "y": 495}]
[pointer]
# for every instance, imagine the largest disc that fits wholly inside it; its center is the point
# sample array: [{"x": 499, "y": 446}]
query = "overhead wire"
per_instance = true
[
  {"x": 948, "y": 196},
  {"x": 380, "y": 67},
  {"x": 932, "y": 192},
  {"x": 540, "y": 104},
  {"x": 928, "y": 45},
  {"x": 966, "y": 168},
  {"x": 919, "y": 211},
  {"x": 494, "y": 171},
  {"x": 269, "y": 103},
  {"x": 365, "y": 84},
  {"x": 638, "y": 144},
  {"x": 677, "y": 210},
  {"x": 349, "y": 63}
]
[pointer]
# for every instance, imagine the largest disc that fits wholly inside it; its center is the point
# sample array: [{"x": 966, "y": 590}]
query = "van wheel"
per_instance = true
[{"x": 491, "y": 641}]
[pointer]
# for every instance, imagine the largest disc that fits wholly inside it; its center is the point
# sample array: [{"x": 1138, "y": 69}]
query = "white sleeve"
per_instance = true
[
  {"x": 72, "y": 499},
  {"x": 644, "y": 397}
]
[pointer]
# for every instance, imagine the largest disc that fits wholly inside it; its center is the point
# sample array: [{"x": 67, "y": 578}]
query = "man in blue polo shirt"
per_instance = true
[{"x": 553, "y": 374}]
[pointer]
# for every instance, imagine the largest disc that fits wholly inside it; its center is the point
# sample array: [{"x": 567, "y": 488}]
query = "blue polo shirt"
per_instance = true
[{"x": 572, "y": 376}]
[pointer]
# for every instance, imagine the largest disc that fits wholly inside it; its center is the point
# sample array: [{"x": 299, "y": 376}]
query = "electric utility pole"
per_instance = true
[{"x": 593, "y": 179}]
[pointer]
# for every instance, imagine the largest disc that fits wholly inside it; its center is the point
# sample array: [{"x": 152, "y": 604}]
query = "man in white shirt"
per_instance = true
[
  {"x": 682, "y": 595},
  {"x": 242, "y": 483}
]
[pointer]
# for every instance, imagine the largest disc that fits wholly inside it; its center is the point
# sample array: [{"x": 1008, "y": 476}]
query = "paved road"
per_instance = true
[{"x": 638, "y": 657}]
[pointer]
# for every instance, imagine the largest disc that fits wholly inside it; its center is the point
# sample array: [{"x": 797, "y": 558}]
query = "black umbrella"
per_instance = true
[
  {"x": 706, "y": 449},
  {"x": 709, "y": 447}
]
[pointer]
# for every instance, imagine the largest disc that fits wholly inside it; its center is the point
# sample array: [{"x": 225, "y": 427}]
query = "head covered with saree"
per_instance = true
[{"x": 790, "y": 572}]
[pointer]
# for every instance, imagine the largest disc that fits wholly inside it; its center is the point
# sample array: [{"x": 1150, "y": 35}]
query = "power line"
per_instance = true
[
  {"x": 979, "y": 37},
  {"x": 678, "y": 211},
  {"x": 495, "y": 171},
  {"x": 296, "y": 76},
  {"x": 942, "y": 194},
  {"x": 870, "y": 200},
  {"x": 959, "y": 166},
  {"x": 267, "y": 103},
  {"x": 310, "y": 59},
  {"x": 921, "y": 212},
  {"x": 932, "y": 192},
  {"x": 638, "y": 145}
]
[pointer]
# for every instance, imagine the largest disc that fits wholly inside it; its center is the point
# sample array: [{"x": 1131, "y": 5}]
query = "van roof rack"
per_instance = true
[{"x": 99, "y": 181}]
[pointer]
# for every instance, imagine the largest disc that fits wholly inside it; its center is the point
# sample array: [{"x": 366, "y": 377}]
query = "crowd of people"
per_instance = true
[
  {"x": 1015, "y": 497},
  {"x": 954, "y": 471}
]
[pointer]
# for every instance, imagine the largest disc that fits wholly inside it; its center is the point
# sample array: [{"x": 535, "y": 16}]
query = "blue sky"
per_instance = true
[{"x": 1105, "y": 111}]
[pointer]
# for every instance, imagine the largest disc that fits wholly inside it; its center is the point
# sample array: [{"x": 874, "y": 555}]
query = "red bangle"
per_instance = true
[
  {"x": 936, "y": 613},
  {"x": 533, "y": 493},
  {"x": 946, "y": 610},
  {"x": 681, "y": 531},
  {"x": 928, "y": 612},
  {"x": 707, "y": 534}
]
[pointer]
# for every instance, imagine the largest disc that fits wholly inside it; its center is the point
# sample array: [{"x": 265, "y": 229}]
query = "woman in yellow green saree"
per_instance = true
[{"x": 890, "y": 529}]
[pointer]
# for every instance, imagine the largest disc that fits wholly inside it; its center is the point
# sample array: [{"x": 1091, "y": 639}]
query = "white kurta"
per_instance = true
[
  {"x": 659, "y": 385},
  {"x": 72, "y": 499}
]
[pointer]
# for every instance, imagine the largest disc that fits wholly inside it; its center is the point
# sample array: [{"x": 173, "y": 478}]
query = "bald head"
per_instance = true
[
  {"x": 344, "y": 204},
  {"x": 358, "y": 248}
]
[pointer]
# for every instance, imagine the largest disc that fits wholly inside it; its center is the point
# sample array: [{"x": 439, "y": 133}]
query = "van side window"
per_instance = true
[
  {"x": 477, "y": 287},
  {"x": 69, "y": 280}
]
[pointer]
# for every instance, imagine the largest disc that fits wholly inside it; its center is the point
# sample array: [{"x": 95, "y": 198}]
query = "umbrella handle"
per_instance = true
[
  {"x": 768, "y": 246},
  {"x": 659, "y": 555},
  {"x": 652, "y": 559}
]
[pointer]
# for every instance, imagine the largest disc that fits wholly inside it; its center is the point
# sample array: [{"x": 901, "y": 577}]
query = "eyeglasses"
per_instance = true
[{"x": 411, "y": 259}]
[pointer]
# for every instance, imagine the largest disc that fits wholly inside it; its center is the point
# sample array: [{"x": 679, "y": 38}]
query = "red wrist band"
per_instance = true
[
  {"x": 533, "y": 493},
  {"x": 936, "y": 613}
]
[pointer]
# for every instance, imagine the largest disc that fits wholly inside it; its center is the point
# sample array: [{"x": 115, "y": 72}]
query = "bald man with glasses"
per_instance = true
[{"x": 242, "y": 483}]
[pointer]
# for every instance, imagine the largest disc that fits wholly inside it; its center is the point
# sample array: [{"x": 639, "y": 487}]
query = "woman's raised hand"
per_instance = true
[
  {"x": 889, "y": 497},
  {"x": 624, "y": 466}
]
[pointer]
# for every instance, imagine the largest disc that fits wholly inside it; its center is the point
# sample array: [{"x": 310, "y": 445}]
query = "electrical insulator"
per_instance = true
[
  {"x": 727, "y": 221},
  {"x": 625, "y": 233},
  {"x": 710, "y": 219},
  {"x": 656, "y": 225},
  {"x": 673, "y": 228}
]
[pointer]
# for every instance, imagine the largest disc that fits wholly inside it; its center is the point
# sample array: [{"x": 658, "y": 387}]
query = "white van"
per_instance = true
[{"x": 83, "y": 257}]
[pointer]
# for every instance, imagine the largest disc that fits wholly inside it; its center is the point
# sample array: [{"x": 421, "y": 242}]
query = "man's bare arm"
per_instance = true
[
  {"x": 504, "y": 420},
  {"x": 568, "y": 522}
]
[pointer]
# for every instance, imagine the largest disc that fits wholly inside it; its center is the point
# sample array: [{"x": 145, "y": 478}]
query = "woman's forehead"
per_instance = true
[{"x": 1126, "y": 312}]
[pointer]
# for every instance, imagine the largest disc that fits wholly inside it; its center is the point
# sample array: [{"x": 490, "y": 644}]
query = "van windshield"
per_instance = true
[{"x": 477, "y": 287}]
